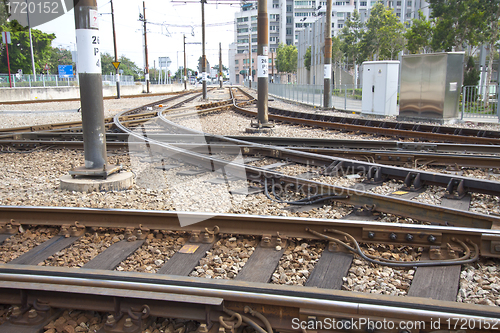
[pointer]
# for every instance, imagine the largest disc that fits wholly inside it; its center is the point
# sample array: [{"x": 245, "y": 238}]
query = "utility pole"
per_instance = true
[
  {"x": 146, "y": 70},
  {"x": 203, "y": 57},
  {"x": 220, "y": 65},
  {"x": 250, "y": 59},
  {"x": 263, "y": 64},
  {"x": 328, "y": 55},
  {"x": 116, "y": 53},
  {"x": 185, "y": 68},
  {"x": 91, "y": 99}
]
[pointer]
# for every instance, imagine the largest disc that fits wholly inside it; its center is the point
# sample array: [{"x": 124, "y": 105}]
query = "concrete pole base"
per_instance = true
[{"x": 116, "y": 182}]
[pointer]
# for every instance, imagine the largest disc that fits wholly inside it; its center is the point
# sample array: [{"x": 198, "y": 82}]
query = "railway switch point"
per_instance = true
[{"x": 115, "y": 182}]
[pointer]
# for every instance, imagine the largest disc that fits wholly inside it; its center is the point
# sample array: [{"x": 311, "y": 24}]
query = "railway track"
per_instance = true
[
  {"x": 172, "y": 291},
  {"x": 378, "y": 127},
  {"x": 175, "y": 291}
]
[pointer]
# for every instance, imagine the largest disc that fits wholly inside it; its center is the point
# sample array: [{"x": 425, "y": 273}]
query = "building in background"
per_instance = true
[{"x": 287, "y": 18}]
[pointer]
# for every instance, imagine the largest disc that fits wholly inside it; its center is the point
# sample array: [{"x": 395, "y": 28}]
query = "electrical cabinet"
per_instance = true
[
  {"x": 380, "y": 87},
  {"x": 431, "y": 85}
]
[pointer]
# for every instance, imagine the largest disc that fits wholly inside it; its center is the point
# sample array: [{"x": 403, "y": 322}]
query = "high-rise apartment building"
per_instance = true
[{"x": 288, "y": 17}]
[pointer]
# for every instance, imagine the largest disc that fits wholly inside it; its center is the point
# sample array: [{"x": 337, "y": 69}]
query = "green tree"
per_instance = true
[
  {"x": 384, "y": 36},
  {"x": 3, "y": 12},
  {"x": 418, "y": 36},
  {"x": 180, "y": 73},
  {"x": 286, "y": 58},
  {"x": 307, "y": 59},
  {"x": 127, "y": 65},
  {"x": 216, "y": 67},
  {"x": 458, "y": 23},
  {"x": 491, "y": 34},
  {"x": 351, "y": 36},
  {"x": 59, "y": 56},
  {"x": 20, "y": 52}
]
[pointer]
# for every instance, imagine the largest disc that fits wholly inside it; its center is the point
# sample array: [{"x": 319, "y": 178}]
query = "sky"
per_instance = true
[{"x": 163, "y": 41}]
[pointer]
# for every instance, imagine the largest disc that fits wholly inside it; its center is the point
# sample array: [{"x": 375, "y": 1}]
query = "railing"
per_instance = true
[
  {"x": 344, "y": 97},
  {"x": 479, "y": 102},
  {"x": 44, "y": 80},
  {"x": 475, "y": 101}
]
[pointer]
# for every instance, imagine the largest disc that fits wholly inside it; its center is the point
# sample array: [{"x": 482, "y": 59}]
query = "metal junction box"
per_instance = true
[
  {"x": 380, "y": 87},
  {"x": 430, "y": 86}
]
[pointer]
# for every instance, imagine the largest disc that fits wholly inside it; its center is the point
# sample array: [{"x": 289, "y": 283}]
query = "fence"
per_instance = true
[
  {"x": 475, "y": 101},
  {"x": 344, "y": 97},
  {"x": 44, "y": 80},
  {"x": 480, "y": 102}
]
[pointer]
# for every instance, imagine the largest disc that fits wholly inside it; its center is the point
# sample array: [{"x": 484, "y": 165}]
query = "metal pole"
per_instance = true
[
  {"x": 220, "y": 65},
  {"x": 185, "y": 68},
  {"x": 203, "y": 57},
  {"x": 498, "y": 91},
  {"x": 89, "y": 72},
  {"x": 146, "y": 70},
  {"x": 31, "y": 44},
  {"x": 116, "y": 53},
  {"x": 250, "y": 58},
  {"x": 328, "y": 55},
  {"x": 272, "y": 67},
  {"x": 262, "y": 64},
  {"x": 8, "y": 61}
]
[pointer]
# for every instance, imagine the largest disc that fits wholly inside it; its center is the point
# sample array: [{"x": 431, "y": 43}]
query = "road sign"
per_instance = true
[
  {"x": 116, "y": 64},
  {"x": 65, "y": 71},
  {"x": 46, "y": 68},
  {"x": 6, "y": 37}
]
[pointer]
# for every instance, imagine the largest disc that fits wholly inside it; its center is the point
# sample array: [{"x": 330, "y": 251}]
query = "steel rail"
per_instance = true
[
  {"x": 395, "y": 158},
  {"x": 5, "y": 132},
  {"x": 384, "y": 145},
  {"x": 383, "y": 171},
  {"x": 78, "y": 99},
  {"x": 381, "y": 127},
  {"x": 411, "y": 209},
  {"x": 287, "y": 227},
  {"x": 278, "y": 304}
]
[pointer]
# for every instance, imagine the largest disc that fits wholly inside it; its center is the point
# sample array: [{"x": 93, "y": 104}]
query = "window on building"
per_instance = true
[
  {"x": 272, "y": 28},
  {"x": 245, "y": 40},
  {"x": 288, "y": 42},
  {"x": 340, "y": 14},
  {"x": 288, "y": 19},
  {"x": 242, "y": 30},
  {"x": 241, "y": 51},
  {"x": 398, "y": 14},
  {"x": 372, "y": 3},
  {"x": 272, "y": 16},
  {"x": 398, "y": 3},
  {"x": 362, "y": 3},
  {"x": 254, "y": 28},
  {"x": 409, "y": 3},
  {"x": 254, "y": 40},
  {"x": 298, "y": 25},
  {"x": 272, "y": 39},
  {"x": 340, "y": 25},
  {"x": 254, "y": 18},
  {"x": 236, "y": 62},
  {"x": 289, "y": 8},
  {"x": 288, "y": 31}
]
